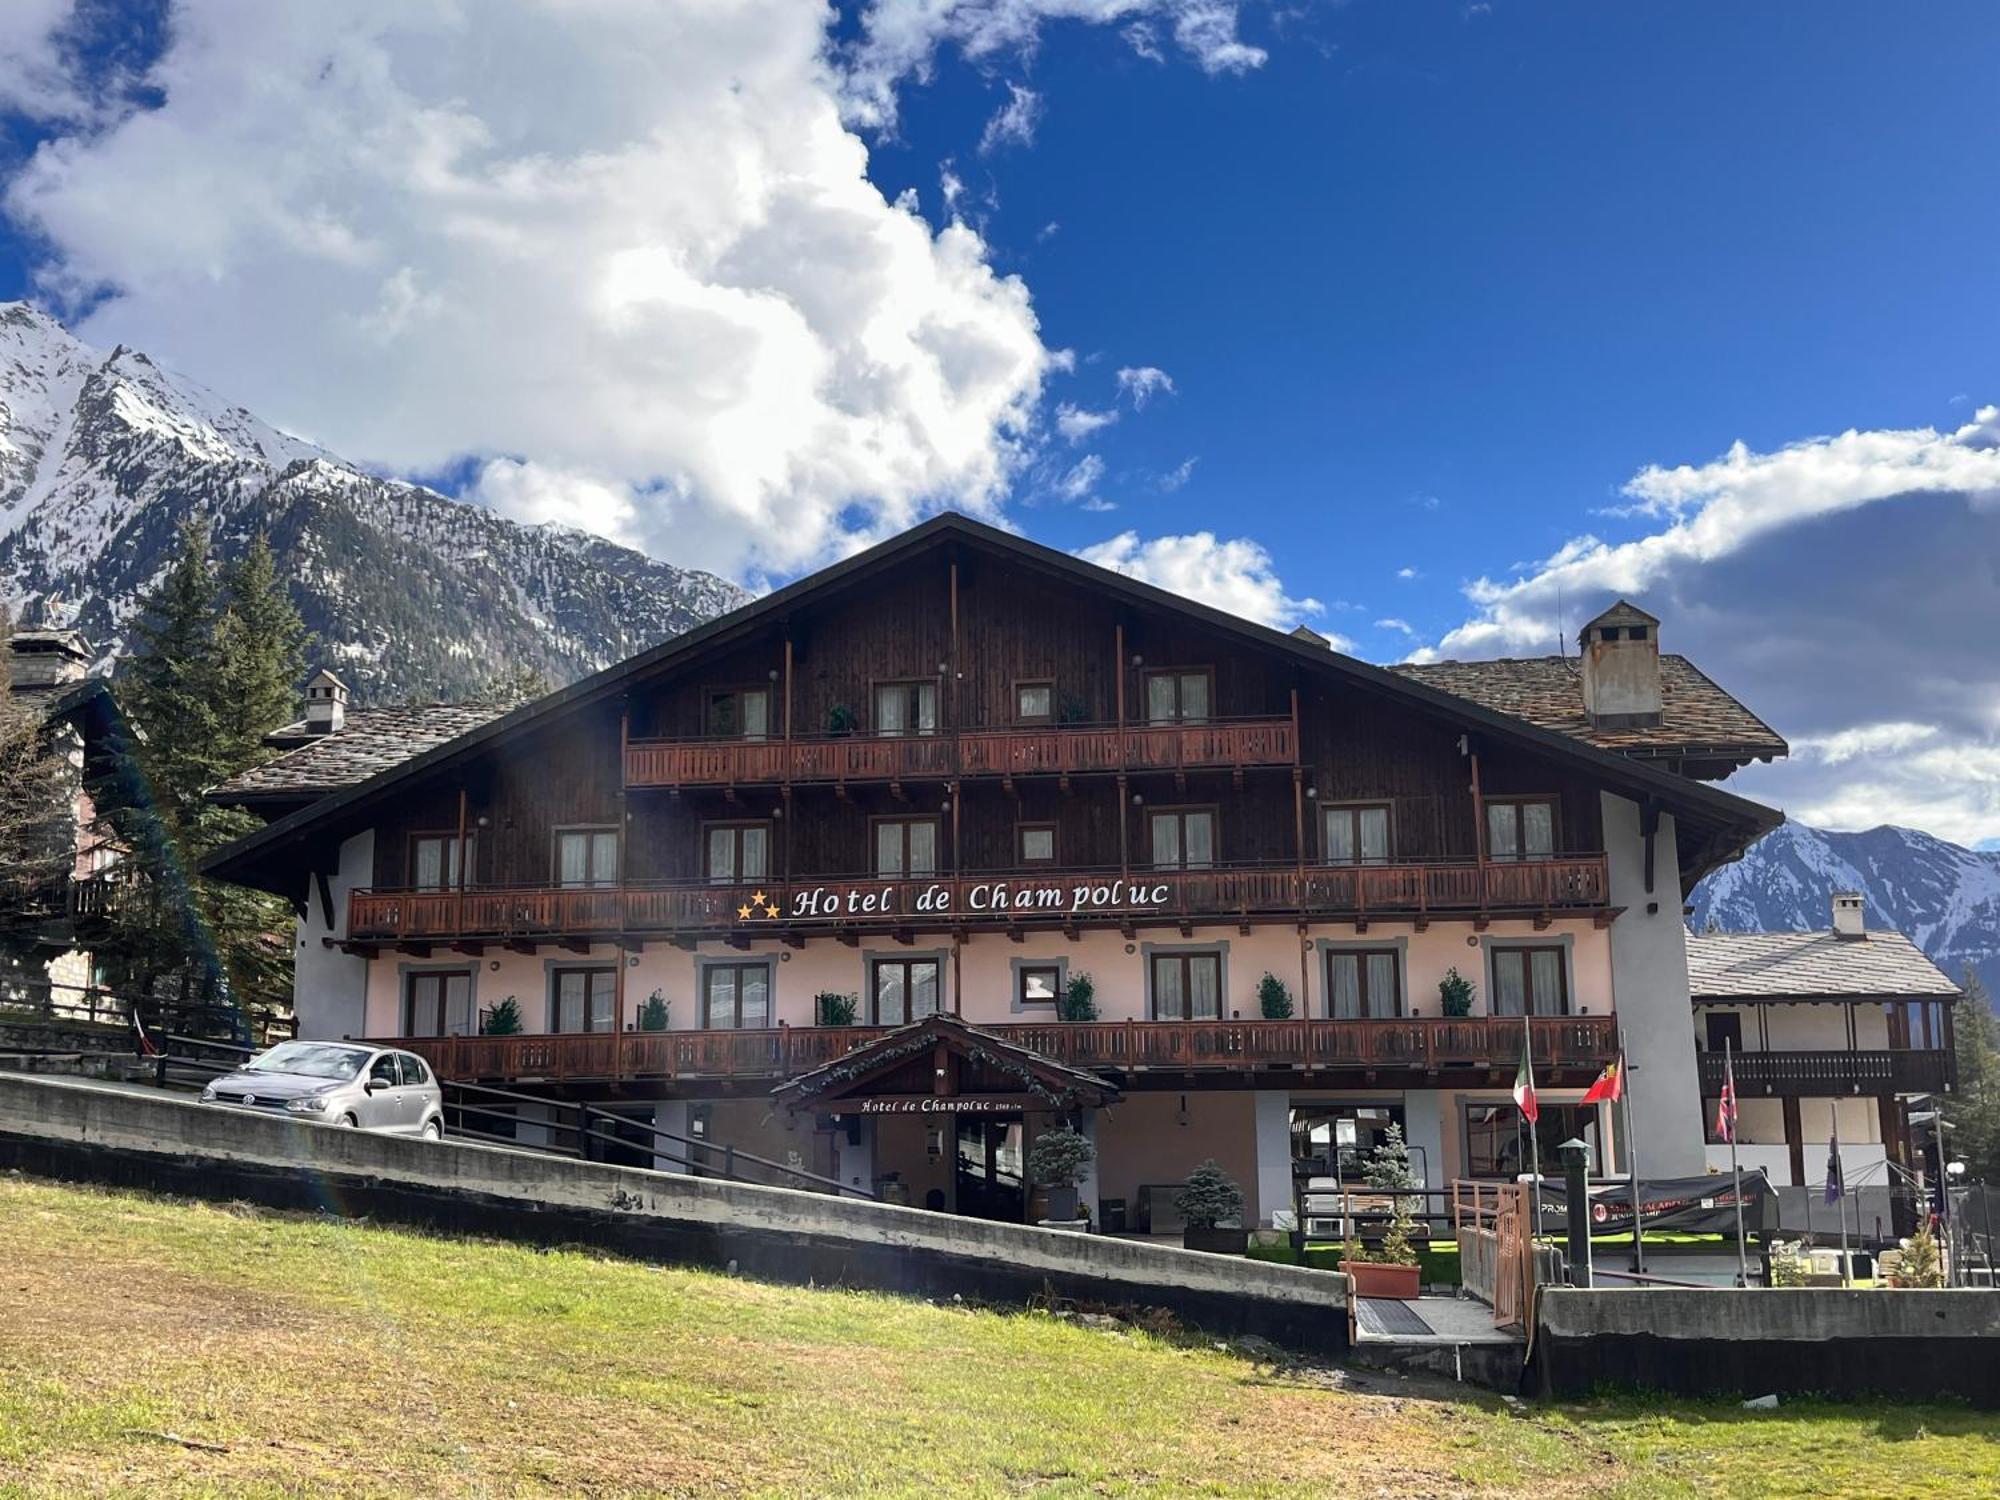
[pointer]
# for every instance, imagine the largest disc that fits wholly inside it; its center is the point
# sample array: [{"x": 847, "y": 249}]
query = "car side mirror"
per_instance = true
[{"x": 374, "y": 1084}]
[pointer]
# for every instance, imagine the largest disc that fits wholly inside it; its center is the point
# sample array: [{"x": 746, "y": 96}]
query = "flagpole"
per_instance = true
[
  {"x": 1534, "y": 1135},
  {"x": 1735, "y": 1171},
  {"x": 1632, "y": 1157}
]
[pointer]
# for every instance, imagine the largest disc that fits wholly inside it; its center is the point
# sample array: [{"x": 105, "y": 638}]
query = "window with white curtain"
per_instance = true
[
  {"x": 906, "y": 846},
  {"x": 1183, "y": 838},
  {"x": 1519, "y": 828},
  {"x": 1363, "y": 983},
  {"x": 738, "y": 852},
  {"x": 906, "y": 707},
  {"x": 1357, "y": 835},
  {"x": 1187, "y": 986},
  {"x": 1529, "y": 981},
  {"x": 586, "y": 857}
]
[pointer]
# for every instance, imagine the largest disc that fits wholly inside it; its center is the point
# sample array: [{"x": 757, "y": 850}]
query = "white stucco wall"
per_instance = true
[
  {"x": 330, "y": 988},
  {"x": 1650, "y": 980}
]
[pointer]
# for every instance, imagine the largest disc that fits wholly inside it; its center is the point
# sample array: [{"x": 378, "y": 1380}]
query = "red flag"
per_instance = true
[
  {"x": 1725, "y": 1112},
  {"x": 1610, "y": 1084},
  {"x": 1524, "y": 1082}
]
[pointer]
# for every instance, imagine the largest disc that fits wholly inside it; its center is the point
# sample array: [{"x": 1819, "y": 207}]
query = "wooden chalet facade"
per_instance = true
[{"x": 958, "y": 773}]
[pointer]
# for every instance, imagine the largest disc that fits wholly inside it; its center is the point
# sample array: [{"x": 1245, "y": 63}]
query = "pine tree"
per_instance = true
[
  {"x": 1975, "y": 1109},
  {"x": 175, "y": 685},
  {"x": 261, "y": 654}
]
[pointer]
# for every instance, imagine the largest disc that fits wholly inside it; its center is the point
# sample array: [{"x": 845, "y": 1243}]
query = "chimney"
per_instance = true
[
  {"x": 1310, "y": 636},
  {"x": 1621, "y": 668},
  {"x": 1850, "y": 919},
  {"x": 326, "y": 703},
  {"x": 45, "y": 656}
]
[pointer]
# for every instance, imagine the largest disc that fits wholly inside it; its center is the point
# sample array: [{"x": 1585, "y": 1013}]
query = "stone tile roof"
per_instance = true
[
  {"x": 371, "y": 741},
  {"x": 1697, "y": 717},
  {"x": 1762, "y": 965}
]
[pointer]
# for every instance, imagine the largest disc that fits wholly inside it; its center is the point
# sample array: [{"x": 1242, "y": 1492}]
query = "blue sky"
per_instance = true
[{"x": 1428, "y": 292}]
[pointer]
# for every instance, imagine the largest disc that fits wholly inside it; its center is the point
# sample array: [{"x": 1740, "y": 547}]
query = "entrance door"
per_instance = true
[{"x": 988, "y": 1175}]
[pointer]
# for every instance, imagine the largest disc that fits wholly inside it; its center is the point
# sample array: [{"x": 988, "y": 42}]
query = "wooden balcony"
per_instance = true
[
  {"x": 1567, "y": 1048},
  {"x": 986, "y": 902},
  {"x": 1829, "y": 1074},
  {"x": 1065, "y": 749}
]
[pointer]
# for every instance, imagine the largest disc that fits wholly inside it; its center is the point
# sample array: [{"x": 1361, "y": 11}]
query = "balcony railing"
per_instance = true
[
  {"x": 1815, "y": 1074},
  {"x": 1041, "y": 750},
  {"x": 1577, "y": 883},
  {"x": 1573, "y": 1045}
]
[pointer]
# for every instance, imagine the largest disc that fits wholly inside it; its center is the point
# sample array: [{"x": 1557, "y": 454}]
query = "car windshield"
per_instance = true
[{"x": 313, "y": 1059}]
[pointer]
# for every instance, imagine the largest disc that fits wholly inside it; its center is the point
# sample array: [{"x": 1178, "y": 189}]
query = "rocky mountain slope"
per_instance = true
[
  {"x": 1945, "y": 897},
  {"x": 410, "y": 594}
]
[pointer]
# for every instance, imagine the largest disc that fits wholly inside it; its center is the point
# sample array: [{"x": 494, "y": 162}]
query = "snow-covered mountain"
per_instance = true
[
  {"x": 411, "y": 595},
  {"x": 1945, "y": 898}
]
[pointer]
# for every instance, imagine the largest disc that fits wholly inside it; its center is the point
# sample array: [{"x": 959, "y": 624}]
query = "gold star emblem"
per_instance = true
[
  {"x": 758, "y": 899},
  {"x": 742, "y": 913},
  {"x": 771, "y": 910}
]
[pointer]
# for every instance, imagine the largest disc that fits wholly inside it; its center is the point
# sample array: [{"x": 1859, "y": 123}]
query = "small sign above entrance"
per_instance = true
[{"x": 928, "y": 1104}]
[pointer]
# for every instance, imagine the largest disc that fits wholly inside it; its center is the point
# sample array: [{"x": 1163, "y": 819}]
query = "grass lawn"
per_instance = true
[{"x": 149, "y": 1346}]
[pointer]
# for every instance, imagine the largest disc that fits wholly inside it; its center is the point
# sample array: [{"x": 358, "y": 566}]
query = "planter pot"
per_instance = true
[
  {"x": 1399, "y": 1283},
  {"x": 1062, "y": 1203},
  {"x": 1215, "y": 1240}
]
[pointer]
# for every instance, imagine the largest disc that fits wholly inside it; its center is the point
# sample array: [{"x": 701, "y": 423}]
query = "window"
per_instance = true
[
  {"x": 1179, "y": 697},
  {"x": 1363, "y": 983},
  {"x": 586, "y": 856},
  {"x": 736, "y": 996},
  {"x": 1520, "y": 828},
  {"x": 1529, "y": 982},
  {"x": 383, "y": 1070},
  {"x": 904, "y": 989},
  {"x": 738, "y": 713},
  {"x": 1496, "y": 1138},
  {"x": 1037, "y": 843},
  {"x": 1357, "y": 835},
  {"x": 1724, "y": 1030},
  {"x": 415, "y": 1074},
  {"x": 438, "y": 1002},
  {"x": 1183, "y": 838},
  {"x": 1187, "y": 986},
  {"x": 434, "y": 860},
  {"x": 583, "y": 1000},
  {"x": 906, "y": 846},
  {"x": 737, "y": 852},
  {"x": 906, "y": 707},
  {"x": 1034, "y": 702},
  {"x": 1039, "y": 984}
]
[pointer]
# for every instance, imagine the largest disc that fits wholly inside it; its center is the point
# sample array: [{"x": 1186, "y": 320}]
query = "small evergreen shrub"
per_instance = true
[
  {"x": 1920, "y": 1265},
  {"x": 1208, "y": 1197},
  {"x": 836, "y": 1009},
  {"x": 1454, "y": 994},
  {"x": 653, "y": 1015},
  {"x": 1079, "y": 1001},
  {"x": 1274, "y": 1001},
  {"x": 1059, "y": 1158},
  {"x": 503, "y": 1020},
  {"x": 840, "y": 719}
]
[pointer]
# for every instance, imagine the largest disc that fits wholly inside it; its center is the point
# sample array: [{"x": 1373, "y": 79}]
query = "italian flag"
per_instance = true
[{"x": 1524, "y": 1081}]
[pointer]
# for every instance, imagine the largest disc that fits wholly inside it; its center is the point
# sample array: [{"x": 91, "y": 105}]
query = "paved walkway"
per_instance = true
[{"x": 1428, "y": 1321}]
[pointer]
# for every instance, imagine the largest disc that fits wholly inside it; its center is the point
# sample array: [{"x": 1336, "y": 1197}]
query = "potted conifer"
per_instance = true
[
  {"x": 1211, "y": 1209},
  {"x": 653, "y": 1015},
  {"x": 1056, "y": 1162},
  {"x": 1274, "y": 1000},
  {"x": 503, "y": 1020},
  {"x": 1389, "y": 1269}
]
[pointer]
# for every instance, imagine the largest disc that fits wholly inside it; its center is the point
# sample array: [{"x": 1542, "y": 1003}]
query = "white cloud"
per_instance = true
[
  {"x": 901, "y": 39},
  {"x": 1077, "y": 423},
  {"x": 1863, "y": 739},
  {"x": 1178, "y": 476},
  {"x": 1141, "y": 383},
  {"x": 1081, "y": 480},
  {"x": 537, "y": 494},
  {"x": 1236, "y": 575},
  {"x": 635, "y": 244},
  {"x": 1402, "y": 627},
  {"x": 1406, "y": 574},
  {"x": 1013, "y": 124}
]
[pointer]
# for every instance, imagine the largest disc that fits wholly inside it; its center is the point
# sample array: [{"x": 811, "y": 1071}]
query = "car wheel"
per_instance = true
[
  {"x": 348, "y": 1122},
  {"x": 433, "y": 1130}
]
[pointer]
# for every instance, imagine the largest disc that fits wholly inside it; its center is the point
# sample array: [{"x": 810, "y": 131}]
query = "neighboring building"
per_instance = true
[
  {"x": 958, "y": 772},
  {"x": 49, "y": 925},
  {"x": 1844, "y": 1030}
]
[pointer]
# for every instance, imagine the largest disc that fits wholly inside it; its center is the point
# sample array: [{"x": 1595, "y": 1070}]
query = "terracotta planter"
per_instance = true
[
  {"x": 1399, "y": 1283},
  {"x": 1215, "y": 1241}
]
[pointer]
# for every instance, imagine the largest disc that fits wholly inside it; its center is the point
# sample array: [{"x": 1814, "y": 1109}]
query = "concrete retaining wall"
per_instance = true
[
  {"x": 1829, "y": 1341},
  {"x": 166, "y": 1144}
]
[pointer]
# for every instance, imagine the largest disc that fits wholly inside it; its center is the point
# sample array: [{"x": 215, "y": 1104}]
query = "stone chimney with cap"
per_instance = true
[
  {"x": 1850, "y": 916},
  {"x": 1620, "y": 651},
  {"x": 43, "y": 656},
  {"x": 326, "y": 703}
]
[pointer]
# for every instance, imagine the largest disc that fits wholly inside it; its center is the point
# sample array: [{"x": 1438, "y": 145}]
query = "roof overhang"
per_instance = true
[{"x": 941, "y": 1066}]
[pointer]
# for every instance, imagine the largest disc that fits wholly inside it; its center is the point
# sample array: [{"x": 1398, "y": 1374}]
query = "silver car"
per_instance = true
[{"x": 338, "y": 1083}]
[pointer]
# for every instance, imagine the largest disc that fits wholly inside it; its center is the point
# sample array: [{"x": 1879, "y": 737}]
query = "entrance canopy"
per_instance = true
[{"x": 941, "y": 1066}]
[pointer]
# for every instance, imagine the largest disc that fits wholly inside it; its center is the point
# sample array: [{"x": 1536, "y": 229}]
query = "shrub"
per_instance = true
[
  {"x": 1059, "y": 1158},
  {"x": 1079, "y": 1001},
  {"x": 1920, "y": 1265},
  {"x": 840, "y": 719},
  {"x": 1790, "y": 1264},
  {"x": 653, "y": 1014},
  {"x": 837, "y": 1009},
  {"x": 1387, "y": 1170},
  {"x": 1208, "y": 1197},
  {"x": 1454, "y": 994},
  {"x": 503, "y": 1020},
  {"x": 1273, "y": 999}
]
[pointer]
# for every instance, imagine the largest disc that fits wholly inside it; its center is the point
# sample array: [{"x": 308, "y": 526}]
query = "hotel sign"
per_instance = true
[
  {"x": 1049, "y": 898},
  {"x": 929, "y": 1104}
]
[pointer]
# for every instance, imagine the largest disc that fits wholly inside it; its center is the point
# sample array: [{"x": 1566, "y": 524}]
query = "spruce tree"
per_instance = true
[
  {"x": 174, "y": 687},
  {"x": 260, "y": 654}
]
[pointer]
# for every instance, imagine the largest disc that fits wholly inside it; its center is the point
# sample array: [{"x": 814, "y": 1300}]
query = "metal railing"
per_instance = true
[{"x": 51, "y": 1003}]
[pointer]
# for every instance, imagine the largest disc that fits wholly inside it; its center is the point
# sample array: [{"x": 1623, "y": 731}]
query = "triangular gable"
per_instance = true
[{"x": 942, "y": 1066}]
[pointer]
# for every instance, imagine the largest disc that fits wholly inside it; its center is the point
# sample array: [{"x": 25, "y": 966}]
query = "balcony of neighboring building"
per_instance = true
[{"x": 1826, "y": 1048}]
